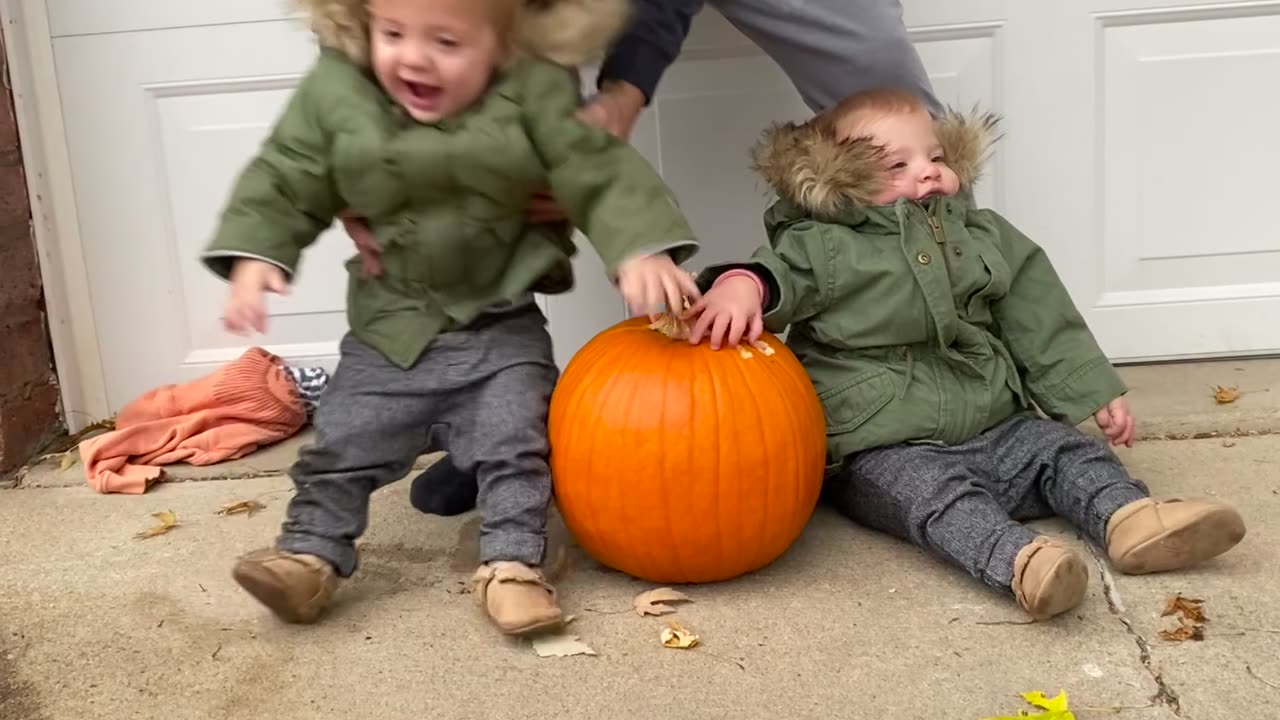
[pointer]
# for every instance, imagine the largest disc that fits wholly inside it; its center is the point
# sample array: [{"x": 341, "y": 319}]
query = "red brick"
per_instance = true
[
  {"x": 24, "y": 353},
  {"x": 27, "y": 422}
]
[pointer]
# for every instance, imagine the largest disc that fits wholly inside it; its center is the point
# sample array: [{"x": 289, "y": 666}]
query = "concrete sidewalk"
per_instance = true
[{"x": 849, "y": 624}]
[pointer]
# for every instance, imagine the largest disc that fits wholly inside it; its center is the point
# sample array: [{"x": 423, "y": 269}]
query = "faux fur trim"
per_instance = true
[
  {"x": 567, "y": 32},
  {"x": 808, "y": 166}
]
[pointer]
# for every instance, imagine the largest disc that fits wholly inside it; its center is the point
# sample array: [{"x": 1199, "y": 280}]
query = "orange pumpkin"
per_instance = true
[{"x": 676, "y": 463}]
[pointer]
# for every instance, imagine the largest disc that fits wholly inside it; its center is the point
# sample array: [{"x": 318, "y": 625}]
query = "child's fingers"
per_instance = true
[
  {"x": 718, "y": 329},
  {"x": 699, "y": 329},
  {"x": 756, "y": 327},
  {"x": 688, "y": 285},
  {"x": 737, "y": 326},
  {"x": 674, "y": 297}
]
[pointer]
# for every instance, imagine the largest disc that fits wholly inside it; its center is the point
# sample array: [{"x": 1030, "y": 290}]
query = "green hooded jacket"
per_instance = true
[
  {"x": 446, "y": 201},
  {"x": 917, "y": 321}
]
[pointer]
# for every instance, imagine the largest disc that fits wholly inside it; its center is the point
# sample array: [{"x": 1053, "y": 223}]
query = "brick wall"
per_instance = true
[{"x": 28, "y": 389}]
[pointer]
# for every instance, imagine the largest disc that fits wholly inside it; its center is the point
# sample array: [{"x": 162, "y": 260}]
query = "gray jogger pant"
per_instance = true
[
  {"x": 831, "y": 49},
  {"x": 962, "y": 503},
  {"x": 486, "y": 388}
]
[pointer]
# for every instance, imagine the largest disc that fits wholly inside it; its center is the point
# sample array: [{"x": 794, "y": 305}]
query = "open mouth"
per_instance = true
[{"x": 422, "y": 93}]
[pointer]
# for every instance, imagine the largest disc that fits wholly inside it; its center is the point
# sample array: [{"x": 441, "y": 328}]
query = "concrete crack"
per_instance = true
[{"x": 1165, "y": 696}]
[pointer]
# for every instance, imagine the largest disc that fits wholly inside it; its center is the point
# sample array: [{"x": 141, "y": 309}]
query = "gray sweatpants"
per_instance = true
[
  {"x": 484, "y": 388},
  {"x": 831, "y": 49},
  {"x": 963, "y": 503}
]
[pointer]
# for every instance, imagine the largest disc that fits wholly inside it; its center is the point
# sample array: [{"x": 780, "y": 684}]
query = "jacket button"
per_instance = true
[
  {"x": 958, "y": 251},
  {"x": 924, "y": 258}
]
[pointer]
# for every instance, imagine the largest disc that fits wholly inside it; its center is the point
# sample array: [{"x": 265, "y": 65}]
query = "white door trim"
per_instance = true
[{"x": 38, "y": 106}]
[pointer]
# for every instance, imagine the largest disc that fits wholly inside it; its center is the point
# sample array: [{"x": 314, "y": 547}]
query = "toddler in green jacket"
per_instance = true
[
  {"x": 930, "y": 329},
  {"x": 437, "y": 120}
]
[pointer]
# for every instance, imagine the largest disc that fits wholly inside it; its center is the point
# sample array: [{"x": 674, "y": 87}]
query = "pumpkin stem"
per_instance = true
[{"x": 671, "y": 325}]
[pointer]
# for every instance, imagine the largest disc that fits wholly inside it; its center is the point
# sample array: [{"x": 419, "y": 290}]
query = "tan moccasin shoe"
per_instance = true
[
  {"x": 297, "y": 588},
  {"x": 1049, "y": 578},
  {"x": 517, "y": 598},
  {"x": 1149, "y": 536}
]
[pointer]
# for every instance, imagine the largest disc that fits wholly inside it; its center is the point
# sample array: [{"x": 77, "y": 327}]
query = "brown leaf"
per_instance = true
[
  {"x": 678, "y": 637},
  {"x": 1225, "y": 395},
  {"x": 1184, "y": 631},
  {"x": 1190, "y": 608},
  {"x": 248, "y": 507},
  {"x": 651, "y": 602},
  {"x": 167, "y": 521}
]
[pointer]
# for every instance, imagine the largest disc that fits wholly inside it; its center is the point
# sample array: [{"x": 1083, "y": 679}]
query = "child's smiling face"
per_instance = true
[
  {"x": 914, "y": 164},
  {"x": 435, "y": 57}
]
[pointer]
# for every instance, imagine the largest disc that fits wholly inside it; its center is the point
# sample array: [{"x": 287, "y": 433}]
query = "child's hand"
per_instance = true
[
  {"x": 729, "y": 309},
  {"x": 245, "y": 308},
  {"x": 1116, "y": 422},
  {"x": 648, "y": 282}
]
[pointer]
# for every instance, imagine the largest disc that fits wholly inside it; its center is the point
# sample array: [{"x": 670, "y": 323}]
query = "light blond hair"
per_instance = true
[{"x": 843, "y": 118}]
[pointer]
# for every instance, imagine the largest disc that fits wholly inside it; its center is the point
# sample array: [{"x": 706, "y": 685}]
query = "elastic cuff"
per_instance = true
[
  {"x": 764, "y": 296},
  {"x": 999, "y": 570},
  {"x": 527, "y": 548}
]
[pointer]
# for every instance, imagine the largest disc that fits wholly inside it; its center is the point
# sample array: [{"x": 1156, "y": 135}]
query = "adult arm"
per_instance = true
[{"x": 649, "y": 45}]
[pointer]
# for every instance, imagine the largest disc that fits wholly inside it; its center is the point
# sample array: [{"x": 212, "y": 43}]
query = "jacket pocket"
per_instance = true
[{"x": 850, "y": 404}]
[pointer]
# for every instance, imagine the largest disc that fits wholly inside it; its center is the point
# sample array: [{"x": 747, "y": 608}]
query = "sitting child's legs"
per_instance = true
[
  {"x": 940, "y": 498},
  {"x": 370, "y": 425},
  {"x": 1082, "y": 480}
]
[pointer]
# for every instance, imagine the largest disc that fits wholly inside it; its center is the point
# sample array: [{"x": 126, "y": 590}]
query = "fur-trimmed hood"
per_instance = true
[
  {"x": 808, "y": 166},
  {"x": 567, "y": 32}
]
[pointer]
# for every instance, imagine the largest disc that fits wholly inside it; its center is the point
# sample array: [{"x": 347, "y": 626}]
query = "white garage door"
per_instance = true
[{"x": 1138, "y": 153}]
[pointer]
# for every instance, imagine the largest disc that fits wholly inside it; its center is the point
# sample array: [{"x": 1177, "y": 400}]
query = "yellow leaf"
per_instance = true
[
  {"x": 1054, "y": 708},
  {"x": 248, "y": 507},
  {"x": 651, "y": 602},
  {"x": 678, "y": 637},
  {"x": 68, "y": 459},
  {"x": 167, "y": 521},
  {"x": 1225, "y": 395}
]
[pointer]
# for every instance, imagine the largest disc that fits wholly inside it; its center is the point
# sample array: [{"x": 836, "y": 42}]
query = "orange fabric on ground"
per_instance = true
[{"x": 245, "y": 404}]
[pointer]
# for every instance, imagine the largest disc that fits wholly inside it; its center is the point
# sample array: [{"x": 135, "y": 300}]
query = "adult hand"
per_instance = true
[
  {"x": 370, "y": 253},
  {"x": 1116, "y": 422},
  {"x": 615, "y": 110}
]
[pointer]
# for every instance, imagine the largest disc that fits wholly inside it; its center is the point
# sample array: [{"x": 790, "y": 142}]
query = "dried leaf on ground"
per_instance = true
[
  {"x": 247, "y": 507},
  {"x": 1225, "y": 395},
  {"x": 1185, "y": 631},
  {"x": 652, "y": 602},
  {"x": 1190, "y": 608},
  {"x": 560, "y": 646},
  {"x": 1054, "y": 708},
  {"x": 678, "y": 636},
  {"x": 1191, "y": 619},
  {"x": 68, "y": 460},
  {"x": 167, "y": 521}
]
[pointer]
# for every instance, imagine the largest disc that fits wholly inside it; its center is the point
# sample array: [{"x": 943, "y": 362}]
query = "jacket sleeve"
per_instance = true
[
  {"x": 608, "y": 189},
  {"x": 650, "y": 44},
  {"x": 797, "y": 271},
  {"x": 1062, "y": 366},
  {"x": 285, "y": 197}
]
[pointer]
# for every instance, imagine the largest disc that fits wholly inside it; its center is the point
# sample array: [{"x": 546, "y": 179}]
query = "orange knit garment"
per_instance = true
[{"x": 245, "y": 404}]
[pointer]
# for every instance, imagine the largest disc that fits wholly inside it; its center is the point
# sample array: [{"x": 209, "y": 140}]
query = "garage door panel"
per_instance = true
[
  {"x": 90, "y": 17},
  {"x": 1185, "y": 168}
]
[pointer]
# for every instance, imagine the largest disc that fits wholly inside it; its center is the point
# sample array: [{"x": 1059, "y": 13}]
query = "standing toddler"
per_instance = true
[{"x": 437, "y": 120}]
